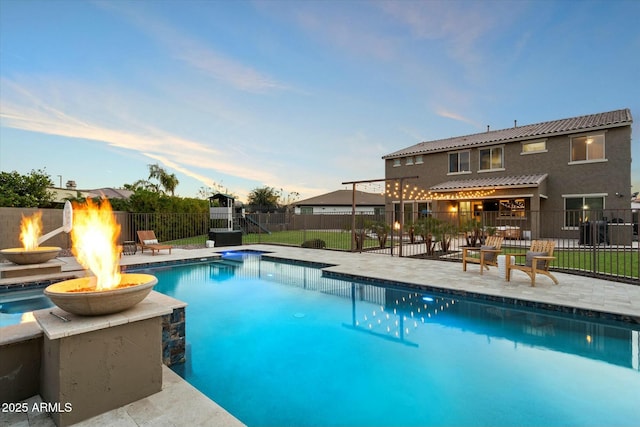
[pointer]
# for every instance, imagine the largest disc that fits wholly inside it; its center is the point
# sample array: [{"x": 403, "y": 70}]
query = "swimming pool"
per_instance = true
[{"x": 278, "y": 344}]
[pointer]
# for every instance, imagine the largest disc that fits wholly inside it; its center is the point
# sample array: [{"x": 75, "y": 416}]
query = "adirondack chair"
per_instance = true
[
  {"x": 537, "y": 260},
  {"x": 488, "y": 253},
  {"x": 148, "y": 240}
]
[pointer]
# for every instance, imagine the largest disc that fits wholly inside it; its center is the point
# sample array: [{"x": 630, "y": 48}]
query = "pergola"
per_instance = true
[{"x": 353, "y": 207}]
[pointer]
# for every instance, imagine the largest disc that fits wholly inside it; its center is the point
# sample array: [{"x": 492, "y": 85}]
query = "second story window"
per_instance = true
[
  {"x": 534, "y": 147},
  {"x": 491, "y": 159},
  {"x": 587, "y": 148},
  {"x": 459, "y": 162},
  {"x": 396, "y": 163}
]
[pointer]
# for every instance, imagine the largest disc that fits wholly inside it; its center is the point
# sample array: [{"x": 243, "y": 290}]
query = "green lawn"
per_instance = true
[
  {"x": 608, "y": 262},
  {"x": 340, "y": 240}
]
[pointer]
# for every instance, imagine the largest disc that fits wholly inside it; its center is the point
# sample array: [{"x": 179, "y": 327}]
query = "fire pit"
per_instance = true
[
  {"x": 79, "y": 296},
  {"x": 30, "y": 236},
  {"x": 38, "y": 255},
  {"x": 94, "y": 239}
]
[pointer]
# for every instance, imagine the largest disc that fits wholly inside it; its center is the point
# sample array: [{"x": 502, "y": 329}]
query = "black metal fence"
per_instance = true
[
  {"x": 588, "y": 242},
  {"x": 598, "y": 243}
]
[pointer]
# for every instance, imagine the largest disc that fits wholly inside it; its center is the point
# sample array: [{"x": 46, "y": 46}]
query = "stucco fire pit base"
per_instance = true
[
  {"x": 35, "y": 256},
  {"x": 95, "y": 303}
]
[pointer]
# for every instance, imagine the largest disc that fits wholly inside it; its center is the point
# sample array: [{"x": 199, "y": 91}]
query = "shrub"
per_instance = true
[{"x": 314, "y": 244}]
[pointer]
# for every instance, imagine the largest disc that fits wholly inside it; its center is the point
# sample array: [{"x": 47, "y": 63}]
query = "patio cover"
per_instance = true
[{"x": 489, "y": 183}]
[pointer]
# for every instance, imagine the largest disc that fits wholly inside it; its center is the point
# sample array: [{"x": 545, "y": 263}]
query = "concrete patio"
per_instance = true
[{"x": 577, "y": 293}]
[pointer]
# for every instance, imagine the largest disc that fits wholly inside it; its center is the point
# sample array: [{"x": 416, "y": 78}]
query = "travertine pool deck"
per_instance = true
[{"x": 180, "y": 404}]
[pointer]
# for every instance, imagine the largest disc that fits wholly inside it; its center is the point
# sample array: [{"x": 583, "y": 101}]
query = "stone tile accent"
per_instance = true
[{"x": 174, "y": 337}]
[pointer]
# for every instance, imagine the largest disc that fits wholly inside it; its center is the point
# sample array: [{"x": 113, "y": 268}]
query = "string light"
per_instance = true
[{"x": 415, "y": 193}]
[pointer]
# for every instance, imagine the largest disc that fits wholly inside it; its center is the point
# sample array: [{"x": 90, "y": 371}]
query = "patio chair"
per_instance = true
[
  {"x": 148, "y": 240},
  {"x": 488, "y": 253},
  {"x": 537, "y": 260}
]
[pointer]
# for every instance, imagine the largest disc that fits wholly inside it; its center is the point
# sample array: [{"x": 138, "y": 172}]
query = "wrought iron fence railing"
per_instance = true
[{"x": 598, "y": 243}]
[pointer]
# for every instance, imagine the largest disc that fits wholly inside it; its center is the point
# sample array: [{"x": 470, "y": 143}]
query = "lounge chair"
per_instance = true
[
  {"x": 148, "y": 240},
  {"x": 537, "y": 260},
  {"x": 488, "y": 253}
]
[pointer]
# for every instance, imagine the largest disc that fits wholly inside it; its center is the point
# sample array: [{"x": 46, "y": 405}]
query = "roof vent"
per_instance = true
[
  {"x": 515, "y": 123},
  {"x": 487, "y": 128},
  {"x": 71, "y": 185}
]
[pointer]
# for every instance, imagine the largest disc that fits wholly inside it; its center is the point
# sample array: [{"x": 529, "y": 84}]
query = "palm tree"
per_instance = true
[{"x": 168, "y": 181}]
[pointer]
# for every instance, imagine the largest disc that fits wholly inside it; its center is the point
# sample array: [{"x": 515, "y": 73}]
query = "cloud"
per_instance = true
[
  {"x": 450, "y": 115},
  {"x": 22, "y": 109},
  {"x": 196, "y": 54}
]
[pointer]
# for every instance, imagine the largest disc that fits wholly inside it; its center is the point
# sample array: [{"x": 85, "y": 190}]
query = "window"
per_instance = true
[
  {"x": 534, "y": 147},
  {"x": 513, "y": 208},
  {"x": 587, "y": 148},
  {"x": 409, "y": 161},
  {"x": 459, "y": 162},
  {"x": 491, "y": 158},
  {"x": 419, "y": 160},
  {"x": 579, "y": 209},
  {"x": 424, "y": 209},
  {"x": 306, "y": 210},
  {"x": 396, "y": 163}
]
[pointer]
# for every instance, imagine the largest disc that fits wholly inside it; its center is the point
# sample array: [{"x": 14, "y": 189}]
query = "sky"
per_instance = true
[{"x": 300, "y": 95}]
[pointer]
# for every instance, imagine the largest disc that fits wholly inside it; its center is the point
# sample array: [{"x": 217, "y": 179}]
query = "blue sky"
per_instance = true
[{"x": 297, "y": 95}]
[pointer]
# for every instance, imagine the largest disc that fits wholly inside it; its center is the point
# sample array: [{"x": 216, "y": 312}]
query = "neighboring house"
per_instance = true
[
  {"x": 113, "y": 193},
  {"x": 60, "y": 195},
  {"x": 563, "y": 170},
  {"x": 340, "y": 202}
]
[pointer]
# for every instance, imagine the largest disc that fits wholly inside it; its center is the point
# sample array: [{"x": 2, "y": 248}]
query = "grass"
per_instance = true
[
  {"x": 620, "y": 263},
  {"x": 339, "y": 240}
]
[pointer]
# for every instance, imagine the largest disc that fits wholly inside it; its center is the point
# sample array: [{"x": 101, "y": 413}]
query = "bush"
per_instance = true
[{"x": 314, "y": 244}]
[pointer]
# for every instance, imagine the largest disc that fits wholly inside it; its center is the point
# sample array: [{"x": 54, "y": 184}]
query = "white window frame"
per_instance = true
[
  {"x": 588, "y": 159},
  {"x": 459, "y": 172},
  {"x": 532, "y": 144},
  {"x": 419, "y": 160},
  {"x": 491, "y": 169},
  {"x": 583, "y": 216},
  {"x": 396, "y": 163},
  {"x": 409, "y": 161}
]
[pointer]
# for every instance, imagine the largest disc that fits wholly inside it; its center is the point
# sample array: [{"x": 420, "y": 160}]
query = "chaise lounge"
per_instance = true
[{"x": 148, "y": 240}]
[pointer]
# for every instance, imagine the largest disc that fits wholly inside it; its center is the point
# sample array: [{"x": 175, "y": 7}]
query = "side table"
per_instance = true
[{"x": 129, "y": 247}]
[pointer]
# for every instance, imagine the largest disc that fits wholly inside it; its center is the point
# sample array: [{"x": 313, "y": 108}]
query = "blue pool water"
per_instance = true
[{"x": 277, "y": 344}]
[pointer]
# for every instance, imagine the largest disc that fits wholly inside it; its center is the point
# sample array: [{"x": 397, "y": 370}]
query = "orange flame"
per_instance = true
[
  {"x": 30, "y": 230},
  {"x": 94, "y": 242}
]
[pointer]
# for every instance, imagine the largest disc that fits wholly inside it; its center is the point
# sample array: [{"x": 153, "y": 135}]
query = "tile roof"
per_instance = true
[
  {"x": 344, "y": 198},
  {"x": 518, "y": 133},
  {"x": 492, "y": 182}
]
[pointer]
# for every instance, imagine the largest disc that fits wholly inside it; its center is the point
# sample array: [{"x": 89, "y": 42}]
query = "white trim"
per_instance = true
[
  {"x": 587, "y": 135},
  {"x": 480, "y": 170},
  {"x": 491, "y": 170},
  {"x": 449, "y": 153},
  {"x": 585, "y": 195},
  {"x": 460, "y": 173},
  {"x": 533, "y": 152},
  {"x": 535, "y": 141},
  {"x": 582, "y": 162}
]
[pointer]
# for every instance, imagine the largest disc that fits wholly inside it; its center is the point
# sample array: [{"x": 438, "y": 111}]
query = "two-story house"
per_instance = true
[{"x": 546, "y": 179}]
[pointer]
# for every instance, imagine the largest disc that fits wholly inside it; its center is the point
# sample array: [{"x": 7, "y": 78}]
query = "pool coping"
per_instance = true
[{"x": 381, "y": 268}]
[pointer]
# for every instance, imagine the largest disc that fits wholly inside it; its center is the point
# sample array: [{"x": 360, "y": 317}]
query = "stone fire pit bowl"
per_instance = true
[
  {"x": 96, "y": 303},
  {"x": 36, "y": 256}
]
